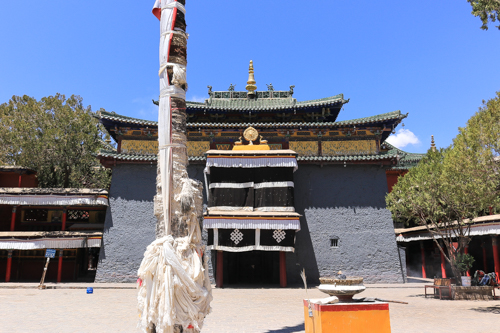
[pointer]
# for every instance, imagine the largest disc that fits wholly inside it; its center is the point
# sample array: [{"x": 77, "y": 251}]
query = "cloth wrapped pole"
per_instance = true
[{"x": 174, "y": 288}]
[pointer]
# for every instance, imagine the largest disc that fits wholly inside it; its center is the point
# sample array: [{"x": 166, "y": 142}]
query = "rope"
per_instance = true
[
  {"x": 173, "y": 91},
  {"x": 172, "y": 145},
  {"x": 174, "y": 4}
]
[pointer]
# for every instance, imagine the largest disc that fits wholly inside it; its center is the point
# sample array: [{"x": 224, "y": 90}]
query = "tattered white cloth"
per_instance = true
[{"x": 175, "y": 287}]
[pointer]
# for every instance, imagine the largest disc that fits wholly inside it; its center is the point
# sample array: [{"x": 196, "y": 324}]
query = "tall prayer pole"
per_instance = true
[
  {"x": 174, "y": 288},
  {"x": 172, "y": 164}
]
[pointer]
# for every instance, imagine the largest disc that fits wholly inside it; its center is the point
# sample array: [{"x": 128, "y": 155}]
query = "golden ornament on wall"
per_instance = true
[{"x": 251, "y": 134}]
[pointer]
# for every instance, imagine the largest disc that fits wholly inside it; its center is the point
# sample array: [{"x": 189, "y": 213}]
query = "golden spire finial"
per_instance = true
[
  {"x": 251, "y": 87},
  {"x": 433, "y": 145}
]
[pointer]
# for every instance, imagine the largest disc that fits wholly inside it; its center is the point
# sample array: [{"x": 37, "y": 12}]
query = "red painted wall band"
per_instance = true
[{"x": 350, "y": 307}]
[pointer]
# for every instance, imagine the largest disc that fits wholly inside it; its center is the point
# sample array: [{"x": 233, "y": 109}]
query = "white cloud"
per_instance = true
[{"x": 403, "y": 138}]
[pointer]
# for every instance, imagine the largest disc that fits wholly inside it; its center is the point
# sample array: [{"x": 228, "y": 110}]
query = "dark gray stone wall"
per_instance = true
[
  {"x": 130, "y": 222},
  {"x": 347, "y": 203}
]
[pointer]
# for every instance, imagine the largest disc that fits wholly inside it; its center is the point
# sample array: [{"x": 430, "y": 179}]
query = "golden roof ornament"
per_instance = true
[
  {"x": 433, "y": 145},
  {"x": 251, "y": 87},
  {"x": 250, "y": 135}
]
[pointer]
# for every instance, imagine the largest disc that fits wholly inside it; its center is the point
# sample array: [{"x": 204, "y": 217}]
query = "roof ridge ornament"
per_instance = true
[
  {"x": 250, "y": 135},
  {"x": 433, "y": 144},
  {"x": 251, "y": 87}
]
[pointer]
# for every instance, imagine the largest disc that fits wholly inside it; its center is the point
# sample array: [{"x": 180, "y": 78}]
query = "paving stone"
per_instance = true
[{"x": 234, "y": 310}]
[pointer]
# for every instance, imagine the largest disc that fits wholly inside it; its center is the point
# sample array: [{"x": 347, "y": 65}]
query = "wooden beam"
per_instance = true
[
  {"x": 219, "y": 278},
  {"x": 283, "y": 269}
]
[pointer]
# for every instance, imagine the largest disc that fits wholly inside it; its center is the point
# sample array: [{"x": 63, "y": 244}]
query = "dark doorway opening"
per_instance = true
[{"x": 253, "y": 267}]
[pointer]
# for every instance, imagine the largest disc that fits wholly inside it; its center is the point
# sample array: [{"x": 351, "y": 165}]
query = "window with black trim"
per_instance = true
[
  {"x": 78, "y": 215},
  {"x": 36, "y": 215},
  {"x": 334, "y": 242}
]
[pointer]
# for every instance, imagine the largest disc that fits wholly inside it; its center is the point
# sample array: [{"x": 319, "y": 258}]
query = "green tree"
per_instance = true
[
  {"x": 486, "y": 10},
  {"x": 55, "y": 136},
  {"x": 450, "y": 187}
]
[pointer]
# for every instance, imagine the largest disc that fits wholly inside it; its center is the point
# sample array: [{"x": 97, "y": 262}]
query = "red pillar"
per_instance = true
[
  {"x": 13, "y": 219},
  {"x": 282, "y": 269},
  {"x": 20, "y": 179},
  {"x": 485, "y": 261},
  {"x": 443, "y": 265},
  {"x": 64, "y": 219},
  {"x": 422, "y": 252},
  {"x": 59, "y": 266},
  {"x": 9, "y": 266},
  {"x": 496, "y": 258},
  {"x": 466, "y": 251},
  {"x": 220, "y": 269}
]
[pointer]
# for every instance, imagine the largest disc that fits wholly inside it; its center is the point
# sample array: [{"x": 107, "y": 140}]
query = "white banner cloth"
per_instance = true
[
  {"x": 52, "y": 200},
  {"x": 49, "y": 243},
  {"x": 251, "y": 224}
]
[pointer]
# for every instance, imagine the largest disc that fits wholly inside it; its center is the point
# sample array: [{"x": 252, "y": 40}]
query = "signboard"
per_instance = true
[{"x": 50, "y": 253}]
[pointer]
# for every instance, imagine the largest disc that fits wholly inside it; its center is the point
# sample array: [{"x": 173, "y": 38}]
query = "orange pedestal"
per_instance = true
[{"x": 348, "y": 318}]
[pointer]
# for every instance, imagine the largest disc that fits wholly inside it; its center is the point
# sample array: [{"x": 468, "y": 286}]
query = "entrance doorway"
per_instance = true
[{"x": 253, "y": 267}]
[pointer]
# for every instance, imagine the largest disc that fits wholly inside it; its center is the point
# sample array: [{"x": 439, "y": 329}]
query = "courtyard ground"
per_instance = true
[{"x": 112, "y": 308}]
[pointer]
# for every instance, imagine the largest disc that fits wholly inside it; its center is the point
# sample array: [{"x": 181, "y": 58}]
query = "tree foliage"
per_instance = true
[
  {"x": 486, "y": 10},
  {"x": 450, "y": 187},
  {"x": 55, "y": 136}
]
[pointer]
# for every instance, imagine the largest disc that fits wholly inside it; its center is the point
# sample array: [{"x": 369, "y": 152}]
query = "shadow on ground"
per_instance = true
[
  {"x": 489, "y": 309},
  {"x": 296, "y": 328},
  {"x": 266, "y": 286}
]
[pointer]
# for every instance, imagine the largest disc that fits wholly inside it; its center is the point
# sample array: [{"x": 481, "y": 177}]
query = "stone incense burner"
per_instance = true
[{"x": 344, "y": 289}]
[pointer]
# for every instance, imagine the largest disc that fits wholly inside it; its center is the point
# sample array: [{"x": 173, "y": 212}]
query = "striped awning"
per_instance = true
[
  {"x": 269, "y": 223},
  {"x": 475, "y": 230},
  {"x": 53, "y": 200},
  {"x": 50, "y": 243}
]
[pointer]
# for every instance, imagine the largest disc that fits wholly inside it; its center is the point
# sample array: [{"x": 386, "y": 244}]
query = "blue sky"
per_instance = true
[{"x": 426, "y": 58}]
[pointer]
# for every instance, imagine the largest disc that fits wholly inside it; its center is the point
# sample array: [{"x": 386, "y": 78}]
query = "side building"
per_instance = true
[
  {"x": 34, "y": 219},
  {"x": 339, "y": 187}
]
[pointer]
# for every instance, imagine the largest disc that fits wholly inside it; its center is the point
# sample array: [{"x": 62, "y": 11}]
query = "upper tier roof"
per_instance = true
[
  {"x": 395, "y": 115},
  {"x": 226, "y": 102}
]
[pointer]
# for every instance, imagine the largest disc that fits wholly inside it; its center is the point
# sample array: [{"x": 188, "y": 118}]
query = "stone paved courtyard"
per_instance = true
[{"x": 28, "y": 309}]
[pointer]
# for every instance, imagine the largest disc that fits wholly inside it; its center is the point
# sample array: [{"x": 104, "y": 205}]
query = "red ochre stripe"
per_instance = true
[
  {"x": 260, "y": 156},
  {"x": 350, "y": 307},
  {"x": 249, "y": 218}
]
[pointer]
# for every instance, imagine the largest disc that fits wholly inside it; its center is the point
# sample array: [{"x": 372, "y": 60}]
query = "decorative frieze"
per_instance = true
[
  {"x": 304, "y": 148},
  {"x": 224, "y": 146},
  {"x": 139, "y": 147},
  {"x": 275, "y": 146},
  {"x": 197, "y": 148},
  {"x": 352, "y": 147}
]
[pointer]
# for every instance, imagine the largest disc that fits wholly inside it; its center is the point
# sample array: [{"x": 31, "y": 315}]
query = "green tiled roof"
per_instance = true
[
  {"x": 406, "y": 160},
  {"x": 347, "y": 158},
  {"x": 153, "y": 158},
  {"x": 119, "y": 118},
  {"x": 372, "y": 119},
  {"x": 264, "y": 104},
  {"x": 395, "y": 115},
  {"x": 127, "y": 157}
]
